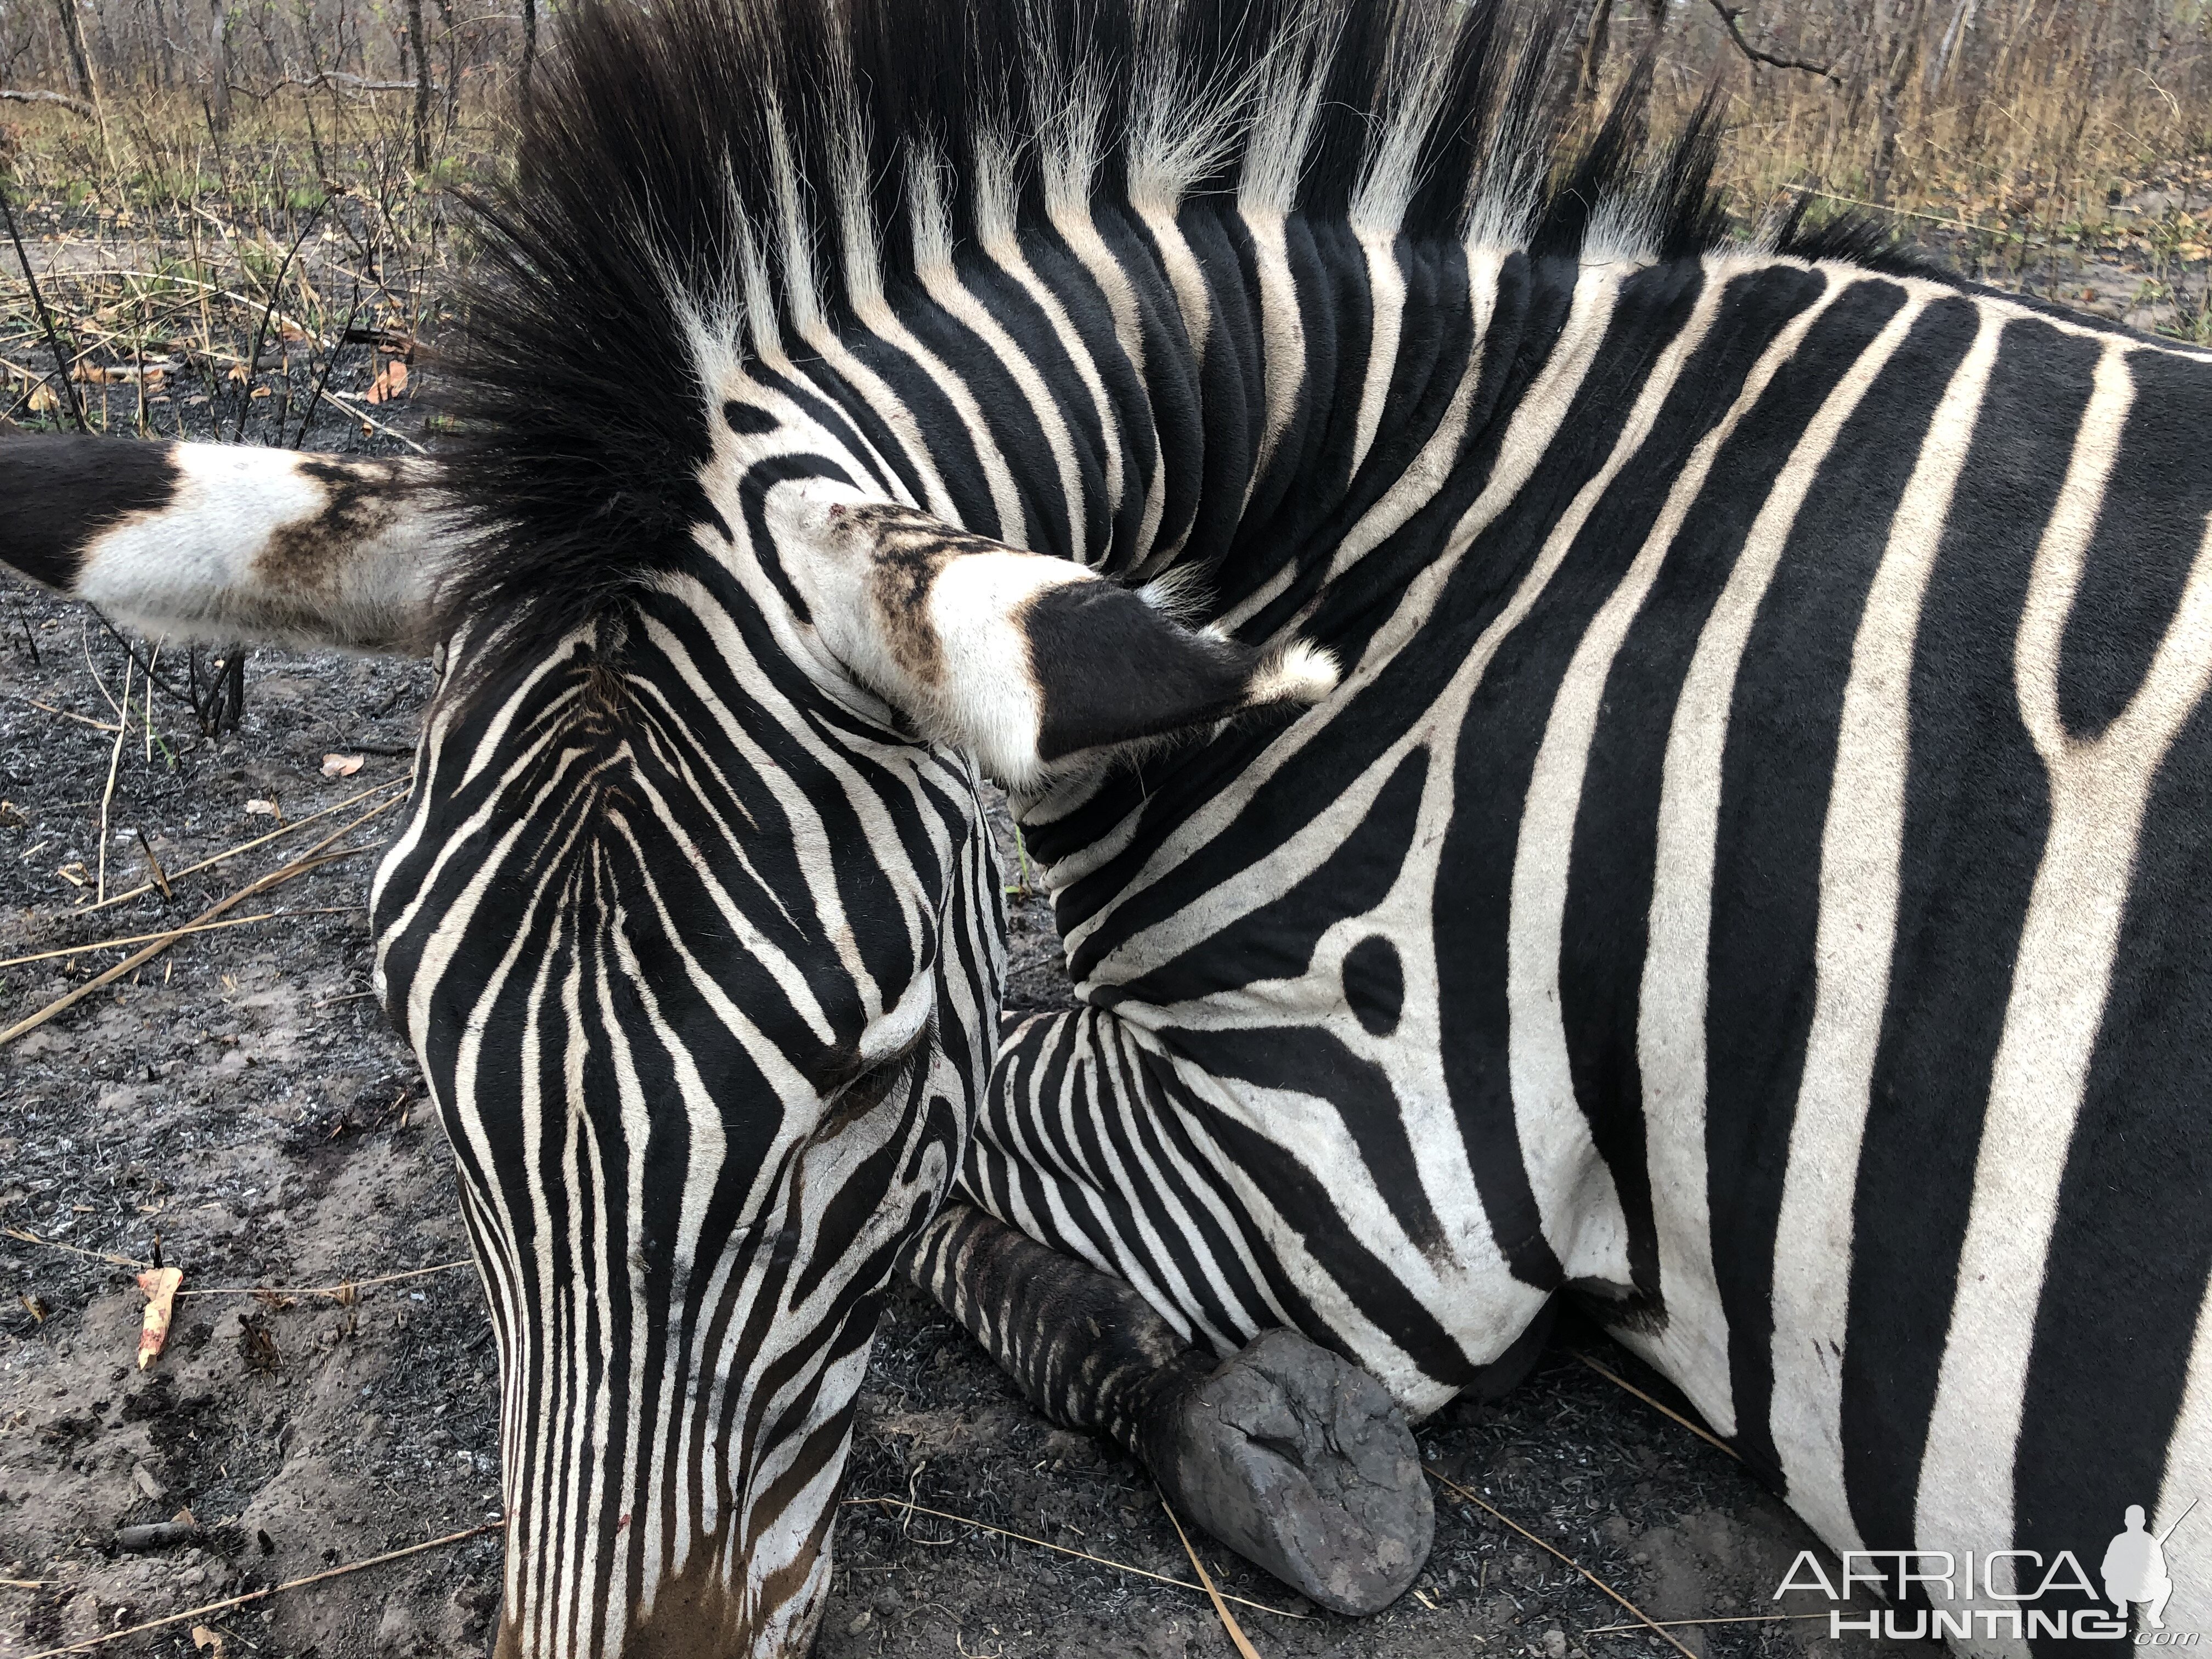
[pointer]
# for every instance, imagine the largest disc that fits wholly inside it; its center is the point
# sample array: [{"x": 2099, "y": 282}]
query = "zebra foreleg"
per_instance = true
[{"x": 1289, "y": 1454}]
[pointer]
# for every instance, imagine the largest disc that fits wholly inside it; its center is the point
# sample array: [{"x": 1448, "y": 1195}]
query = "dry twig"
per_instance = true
[
  {"x": 1458, "y": 1490},
  {"x": 313, "y": 858},
  {"x": 1730, "y": 13},
  {"x": 175, "y": 932},
  {"x": 911, "y": 1507},
  {"x": 250, "y": 1596},
  {"x": 1237, "y": 1636},
  {"x": 1703, "y": 1434}
]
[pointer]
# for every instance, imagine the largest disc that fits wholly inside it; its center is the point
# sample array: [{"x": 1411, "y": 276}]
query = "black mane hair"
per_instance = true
[{"x": 666, "y": 141}]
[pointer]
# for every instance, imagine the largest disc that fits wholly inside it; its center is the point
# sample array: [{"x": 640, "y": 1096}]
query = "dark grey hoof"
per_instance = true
[{"x": 1301, "y": 1462}]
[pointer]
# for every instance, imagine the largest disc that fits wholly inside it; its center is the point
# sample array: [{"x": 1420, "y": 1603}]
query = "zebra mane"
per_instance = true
[{"x": 748, "y": 172}]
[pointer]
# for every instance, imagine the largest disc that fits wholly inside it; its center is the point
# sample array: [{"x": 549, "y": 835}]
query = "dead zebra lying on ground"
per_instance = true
[{"x": 1571, "y": 756}]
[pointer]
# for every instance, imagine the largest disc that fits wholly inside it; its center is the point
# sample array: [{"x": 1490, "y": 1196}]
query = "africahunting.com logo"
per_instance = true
[{"x": 2031, "y": 1593}]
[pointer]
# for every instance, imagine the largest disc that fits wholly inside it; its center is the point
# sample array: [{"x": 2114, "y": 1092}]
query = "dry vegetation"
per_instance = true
[
  {"x": 239, "y": 220},
  {"x": 189, "y": 181}
]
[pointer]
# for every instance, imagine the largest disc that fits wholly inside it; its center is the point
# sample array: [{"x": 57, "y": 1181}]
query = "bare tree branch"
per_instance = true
[
  {"x": 33, "y": 95},
  {"x": 1730, "y": 13}
]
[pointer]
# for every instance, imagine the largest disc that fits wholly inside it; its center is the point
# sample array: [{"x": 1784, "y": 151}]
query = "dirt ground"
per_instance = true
[{"x": 238, "y": 1106}]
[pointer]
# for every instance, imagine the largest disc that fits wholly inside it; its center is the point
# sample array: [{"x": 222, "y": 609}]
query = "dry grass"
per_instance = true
[{"x": 169, "y": 247}]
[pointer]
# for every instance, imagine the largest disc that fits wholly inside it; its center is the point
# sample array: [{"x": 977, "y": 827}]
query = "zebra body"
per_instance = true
[
  {"x": 1777, "y": 925},
  {"x": 1569, "y": 757}
]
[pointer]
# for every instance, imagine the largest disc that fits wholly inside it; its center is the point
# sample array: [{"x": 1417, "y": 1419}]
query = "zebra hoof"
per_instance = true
[{"x": 1301, "y": 1462}]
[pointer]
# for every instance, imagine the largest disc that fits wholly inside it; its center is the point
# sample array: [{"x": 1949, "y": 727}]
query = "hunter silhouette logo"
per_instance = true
[{"x": 2134, "y": 1568}]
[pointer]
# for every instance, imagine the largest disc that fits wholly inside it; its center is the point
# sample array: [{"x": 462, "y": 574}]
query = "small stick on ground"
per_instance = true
[
  {"x": 92, "y": 1641},
  {"x": 1705, "y": 1435},
  {"x": 161, "y": 876},
  {"x": 1458, "y": 1490},
  {"x": 313, "y": 858},
  {"x": 1237, "y": 1636},
  {"x": 907, "y": 1506},
  {"x": 1677, "y": 1624},
  {"x": 108, "y": 795}
]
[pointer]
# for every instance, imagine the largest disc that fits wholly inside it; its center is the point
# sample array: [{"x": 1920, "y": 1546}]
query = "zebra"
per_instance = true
[{"x": 1572, "y": 754}]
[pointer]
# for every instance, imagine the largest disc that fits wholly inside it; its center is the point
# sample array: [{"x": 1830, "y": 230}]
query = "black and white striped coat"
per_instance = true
[{"x": 1571, "y": 756}]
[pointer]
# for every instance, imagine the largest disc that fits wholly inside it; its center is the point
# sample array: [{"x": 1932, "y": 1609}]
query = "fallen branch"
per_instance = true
[
  {"x": 244, "y": 846},
  {"x": 1730, "y": 13},
  {"x": 250, "y": 1596},
  {"x": 313, "y": 858},
  {"x": 33, "y": 95},
  {"x": 1458, "y": 1490},
  {"x": 175, "y": 932},
  {"x": 908, "y": 1507}
]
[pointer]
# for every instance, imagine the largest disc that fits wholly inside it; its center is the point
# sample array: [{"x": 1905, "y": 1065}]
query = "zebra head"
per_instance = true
[{"x": 694, "y": 927}]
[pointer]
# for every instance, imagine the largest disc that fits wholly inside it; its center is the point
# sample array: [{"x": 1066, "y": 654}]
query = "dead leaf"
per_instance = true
[
  {"x": 275, "y": 1299},
  {"x": 160, "y": 1284},
  {"x": 207, "y": 1641},
  {"x": 264, "y": 809},
  {"x": 238, "y": 374},
  {"x": 43, "y": 401},
  {"x": 342, "y": 766},
  {"x": 11, "y": 815},
  {"x": 390, "y": 382},
  {"x": 35, "y": 1306},
  {"x": 262, "y": 391}
]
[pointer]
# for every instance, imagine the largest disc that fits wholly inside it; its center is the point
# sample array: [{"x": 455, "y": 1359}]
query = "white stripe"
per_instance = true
[
  {"x": 1386, "y": 299},
  {"x": 1692, "y": 1347},
  {"x": 1574, "y": 1189}
]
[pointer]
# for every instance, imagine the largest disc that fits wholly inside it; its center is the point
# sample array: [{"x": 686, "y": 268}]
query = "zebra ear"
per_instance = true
[
  {"x": 223, "y": 541},
  {"x": 1024, "y": 661}
]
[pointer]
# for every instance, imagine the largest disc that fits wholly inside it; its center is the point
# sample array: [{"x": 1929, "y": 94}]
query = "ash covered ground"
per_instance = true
[{"x": 241, "y": 1103}]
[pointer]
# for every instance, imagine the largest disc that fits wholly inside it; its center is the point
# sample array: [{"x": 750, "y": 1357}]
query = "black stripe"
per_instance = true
[
  {"x": 62, "y": 492},
  {"x": 1605, "y": 929},
  {"x": 1776, "y": 772},
  {"x": 1977, "y": 811}
]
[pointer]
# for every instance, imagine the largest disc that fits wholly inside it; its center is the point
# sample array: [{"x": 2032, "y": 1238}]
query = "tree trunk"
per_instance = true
[
  {"x": 219, "y": 62},
  {"x": 419, "y": 45},
  {"x": 80, "y": 62}
]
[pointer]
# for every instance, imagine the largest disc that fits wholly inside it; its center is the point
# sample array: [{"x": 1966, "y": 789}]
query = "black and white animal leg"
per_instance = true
[{"x": 1292, "y": 1457}]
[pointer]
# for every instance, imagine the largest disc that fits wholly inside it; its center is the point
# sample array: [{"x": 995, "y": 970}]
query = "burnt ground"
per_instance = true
[{"x": 239, "y": 1105}]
